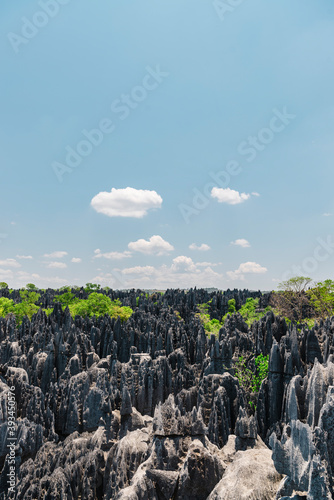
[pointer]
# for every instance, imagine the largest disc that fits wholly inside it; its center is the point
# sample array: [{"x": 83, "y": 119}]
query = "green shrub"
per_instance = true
[
  {"x": 31, "y": 286},
  {"x": 66, "y": 298},
  {"x": 6, "y": 306},
  {"x": 231, "y": 306},
  {"x": 98, "y": 304},
  {"x": 250, "y": 381}
]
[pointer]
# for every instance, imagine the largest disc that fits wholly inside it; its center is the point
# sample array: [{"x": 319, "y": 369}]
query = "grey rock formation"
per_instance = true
[{"x": 151, "y": 408}]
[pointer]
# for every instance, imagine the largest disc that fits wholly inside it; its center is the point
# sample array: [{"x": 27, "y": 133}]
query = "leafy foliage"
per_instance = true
[
  {"x": 231, "y": 306},
  {"x": 210, "y": 325},
  {"x": 3, "y": 285},
  {"x": 91, "y": 287},
  {"x": 66, "y": 298},
  {"x": 248, "y": 380},
  {"x": 25, "y": 308},
  {"x": 98, "y": 304},
  {"x": 6, "y": 306},
  {"x": 248, "y": 311},
  {"x": 322, "y": 298},
  {"x": 291, "y": 300},
  {"x": 31, "y": 286},
  {"x": 29, "y": 297}
]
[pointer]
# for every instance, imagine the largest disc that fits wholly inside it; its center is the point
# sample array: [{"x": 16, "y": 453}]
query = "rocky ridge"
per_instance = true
[{"x": 150, "y": 409}]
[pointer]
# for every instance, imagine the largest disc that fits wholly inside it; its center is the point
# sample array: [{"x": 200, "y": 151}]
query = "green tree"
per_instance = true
[
  {"x": 291, "y": 299},
  {"x": 322, "y": 298},
  {"x": 66, "y": 298},
  {"x": 29, "y": 297},
  {"x": 31, "y": 286},
  {"x": 98, "y": 304},
  {"x": 231, "y": 306},
  {"x": 6, "y": 306},
  {"x": 3, "y": 285},
  {"x": 91, "y": 287}
]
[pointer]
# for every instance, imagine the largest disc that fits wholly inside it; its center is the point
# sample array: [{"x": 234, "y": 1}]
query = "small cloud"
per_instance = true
[
  {"x": 255, "y": 193},
  {"x": 327, "y": 214},
  {"x": 56, "y": 265},
  {"x": 13, "y": 223},
  {"x": 246, "y": 268},
  {"x": 139, "y": 270},
  {"x": 154, "y": 246},
  {"x": 113, "y": 255},
  {"x": 241, "y": 242},
  {"x": 128, "y": 202},
  {"x": 202, "y": 248},
  {"x": 207, "y": 264},
  {"x": 10, "y": 263},
  {"x": 229, "y": 196},
  {"x": 6, "y": 273},
  {"x": 24, "y": 257},
  {"x": 55, "y": 255},
  {"x": 76, "y": 260},
  {"x": 183, "y": 263}
]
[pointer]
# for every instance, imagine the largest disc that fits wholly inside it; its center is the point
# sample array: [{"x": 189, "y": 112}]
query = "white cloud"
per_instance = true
[
  {"x": 202, "y": 248},
  {"x": 182, "y": 273},
  {"x": 128, "y": 202},
  {"x": 207, "y": 264},
  {"x": 229, "y": 196},
  {"x": 252, "y": 267},
  {"x": 76, "y": 260},
  {"x": 5, "y": 274},
  {"x": 246, "y": 268},
  {"x": 241, "y": 242},
  {"x": 326, "y": 214},
  {"x": 56, "y": 265},
  {"x": 154, "y": 246},
  {"x": 56, "y": 255},
  {"x": 254, "y": 193},
  {"x": 183, "y": 263},
  {"x": 24, "y": 257},
  {"x": 112, "y": 255},
  {"x": 10, "y": 263},
  {"x": 139, "y": 270}
]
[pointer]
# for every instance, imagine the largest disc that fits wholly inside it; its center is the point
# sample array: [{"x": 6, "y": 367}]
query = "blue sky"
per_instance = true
[{"x": 213, "y": 160}]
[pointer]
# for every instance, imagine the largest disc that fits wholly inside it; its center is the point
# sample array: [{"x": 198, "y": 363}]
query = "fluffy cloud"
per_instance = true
[
  {"x": 229, "y": 196},
  {"x": 55, "y": 255},
  {"x": 246, "y": 268},
  {"x": 76, "y": 260},
  {"x": 24, "y": 277},
  {"x": 5, "y": 274},
  {"x": 183, "y": 263},
  {"x": 154, "y": 246},
  {"x": 10, "y": 263},
  {"x": 112, "y": 255},
  {"x": 207, "y": 264},
  {"x": 139, "y": 270},
  {"x": 56, "y": 265},
  {"x": 128, "y": 202},
  {"x": 202, "y": 248},
  {"x": 241, "y": 242},
  {"x": 24, "y": 257}
]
